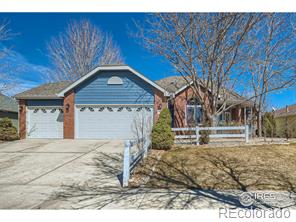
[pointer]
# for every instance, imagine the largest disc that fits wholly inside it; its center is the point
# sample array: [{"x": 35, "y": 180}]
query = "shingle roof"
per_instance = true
[
  {"x": 174, "y": 83},
  {"x": 45, "y": 90},
  {"x": 170, "y": 84},
  {"x": 8, "y": 104},
  {"x": 286, "y": 111}
]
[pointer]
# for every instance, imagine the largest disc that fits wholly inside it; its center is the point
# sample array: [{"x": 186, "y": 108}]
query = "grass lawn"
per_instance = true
[{"x": 245, "y": 168}]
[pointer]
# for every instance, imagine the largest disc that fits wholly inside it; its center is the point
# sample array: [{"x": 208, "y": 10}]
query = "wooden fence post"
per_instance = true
[
  {"x": 247, "y": 133},
  {"x": 197, "y": 135},
  {"x": 126, "y": 163}
]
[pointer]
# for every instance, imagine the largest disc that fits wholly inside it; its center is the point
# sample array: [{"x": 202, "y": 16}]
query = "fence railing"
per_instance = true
[
  {"x": 132, "y": 158},
  {"x": 197, "y": 129}
]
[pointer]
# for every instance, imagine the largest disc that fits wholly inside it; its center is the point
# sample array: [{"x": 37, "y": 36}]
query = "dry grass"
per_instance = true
[{"x": 245, "y": 168}]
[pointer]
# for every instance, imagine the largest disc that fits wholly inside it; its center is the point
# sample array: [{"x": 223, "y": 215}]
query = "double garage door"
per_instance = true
[
  {"x": 112, "y": 122},
  {"x": 92, "y": 122}
]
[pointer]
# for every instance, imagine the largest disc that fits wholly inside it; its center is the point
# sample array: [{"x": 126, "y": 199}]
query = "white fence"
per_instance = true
[
  {"x": 197, "y": 129},
  {"x": 130, "y": 159}
]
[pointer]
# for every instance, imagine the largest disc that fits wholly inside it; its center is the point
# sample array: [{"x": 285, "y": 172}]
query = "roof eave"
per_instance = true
[
  {"x": 182, "y": 88},
  {"x": 8, "y": 111},
  {"x": 284, "y": 115},
  {"x": 38, "y": 97}
]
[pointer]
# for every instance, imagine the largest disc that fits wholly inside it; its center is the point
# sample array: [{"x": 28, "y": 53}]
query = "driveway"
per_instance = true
[
  {"x": 83, "y": 174},
  {"x": 33, "y": 171}
]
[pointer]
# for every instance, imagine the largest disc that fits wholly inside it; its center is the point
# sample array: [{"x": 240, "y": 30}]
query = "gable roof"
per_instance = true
[
  {"x": 45, "y": 91},
  {"x": 286, "y": 111},
  {"x": 8, "y": 104},
  {"x": 176, "y": 84},
  {"x": 173, "y": 83},
  {"x": 112, "y": 68}
]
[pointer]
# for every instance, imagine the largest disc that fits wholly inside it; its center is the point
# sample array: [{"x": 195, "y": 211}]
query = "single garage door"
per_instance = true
[
  {"x": 113, "y": 122},
  {"x": 45, "y": 122}
]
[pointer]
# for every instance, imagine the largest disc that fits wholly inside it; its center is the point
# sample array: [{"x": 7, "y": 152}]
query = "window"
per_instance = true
[
  {"x": 193, "y": 112},
  {"x": 139, "y": 109},
  {"x": 128, "y": 109},
  {"x": 225, "y": 117},
  {"x": 115, "y": 80},
  {"x": 148, "y": 109},
  {"x": 109, "y": 109}
]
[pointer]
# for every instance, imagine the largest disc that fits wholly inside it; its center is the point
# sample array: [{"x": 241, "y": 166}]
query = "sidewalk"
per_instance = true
[{"x": 144, "y": 198}]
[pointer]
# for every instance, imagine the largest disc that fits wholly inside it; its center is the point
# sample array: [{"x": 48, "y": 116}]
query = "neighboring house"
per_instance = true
[
  {"x": 285, "y": 119},
  {"x": 9, "y": 108},
  {"x": 110, "y": 102},
  {"x": 186, "y": 110}
]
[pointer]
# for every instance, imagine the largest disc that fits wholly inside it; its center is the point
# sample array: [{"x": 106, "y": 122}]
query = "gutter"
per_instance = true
[
  {"x": 38, "y": 97},
  {"x": 8, "y": 111}
]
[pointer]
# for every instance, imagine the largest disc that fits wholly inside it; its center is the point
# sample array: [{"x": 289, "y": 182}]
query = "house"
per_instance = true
[
  {"x": 285, "y": 119},
  {"x": 110, "y": 102},
  {"x": 187, "y": 111},
  {"x": 9, "y": 108}
]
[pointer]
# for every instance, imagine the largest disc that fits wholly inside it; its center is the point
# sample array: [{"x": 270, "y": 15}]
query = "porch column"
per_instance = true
[{"x": 245, "y": 115}]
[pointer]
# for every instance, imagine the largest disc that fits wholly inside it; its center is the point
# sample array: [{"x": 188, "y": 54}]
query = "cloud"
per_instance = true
[{"x": 17, "y": 70}]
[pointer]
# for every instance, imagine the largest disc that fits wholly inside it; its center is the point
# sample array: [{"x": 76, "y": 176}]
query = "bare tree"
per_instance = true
[
  {"x": 79, "y": 49},
  {"x": 204, "y": 49},
  {"x": 271, "y": 59},
  {"x": 6, "y": 81}
]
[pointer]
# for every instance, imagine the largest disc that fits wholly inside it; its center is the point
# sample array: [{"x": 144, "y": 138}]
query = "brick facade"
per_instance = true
[
  {"x": 160, "y": 102},
  {"x": 69, "y": 108},
  {"x": 180, "y": 102},
  {"x": 22, "y": 119}
]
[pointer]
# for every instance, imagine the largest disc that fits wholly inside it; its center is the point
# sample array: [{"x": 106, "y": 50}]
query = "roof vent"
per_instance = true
[{"x": 115, "y": 80}]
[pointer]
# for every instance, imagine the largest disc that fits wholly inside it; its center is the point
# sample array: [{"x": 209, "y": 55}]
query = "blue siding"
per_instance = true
[
  {"x": 95, "y": 90},
  {"x": 45, "y": 102}
]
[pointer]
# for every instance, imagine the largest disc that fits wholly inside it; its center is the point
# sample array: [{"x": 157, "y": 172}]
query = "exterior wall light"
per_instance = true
[
  {"x": 67, "y": 107},
  {"x": 159, "y": 106}
]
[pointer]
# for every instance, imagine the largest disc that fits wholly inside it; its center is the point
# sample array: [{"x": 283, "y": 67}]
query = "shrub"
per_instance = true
[
  {"x": 269, "y": 125},
  {"x": 204, "y": 137},
  {"x": 7, "y": 131},
  {"x": 162, "y": 135}
]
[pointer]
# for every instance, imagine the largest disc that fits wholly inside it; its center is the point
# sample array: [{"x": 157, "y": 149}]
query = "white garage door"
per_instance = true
[
  {"x": 113, "y": 122},
  {"x": 45, "y": 122}
]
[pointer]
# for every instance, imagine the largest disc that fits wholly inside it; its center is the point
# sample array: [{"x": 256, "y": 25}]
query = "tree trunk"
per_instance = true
[
  {"x": 259, "y": 123},
  {"x": 213, "y": 120}
]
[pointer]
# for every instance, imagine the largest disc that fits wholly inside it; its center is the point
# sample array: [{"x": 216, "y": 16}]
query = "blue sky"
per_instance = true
[{"x": 33, "y": 30}]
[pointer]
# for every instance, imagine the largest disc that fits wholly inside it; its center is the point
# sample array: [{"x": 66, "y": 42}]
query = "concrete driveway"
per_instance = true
[
  {"x": 83, "y": 174},
  {"x": 32, "y": 171}
]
